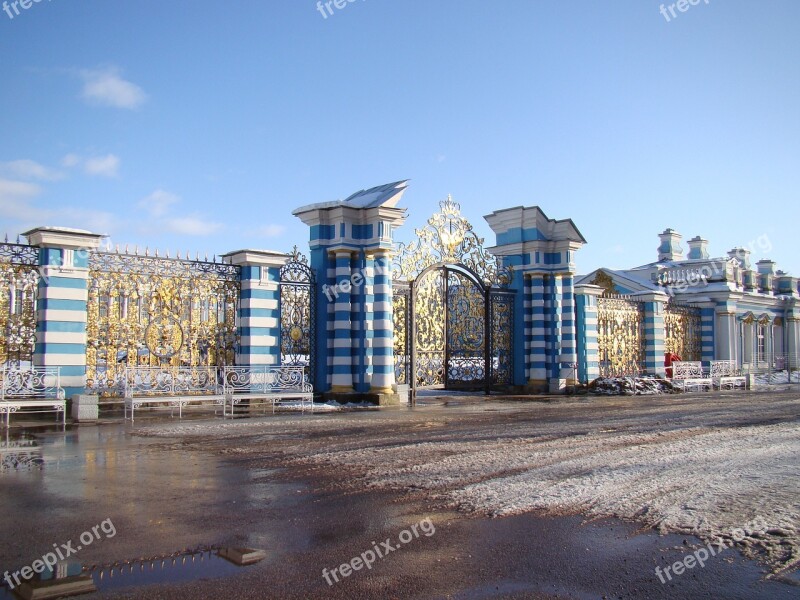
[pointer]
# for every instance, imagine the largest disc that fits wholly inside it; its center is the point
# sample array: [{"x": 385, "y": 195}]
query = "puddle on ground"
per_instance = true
[
  {"x": 20, "y": 452},
  {"x": 180, "y": 567}
]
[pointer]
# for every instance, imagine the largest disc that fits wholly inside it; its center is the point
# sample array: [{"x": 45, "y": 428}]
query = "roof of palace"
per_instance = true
[{"x": 387, "y": 195}]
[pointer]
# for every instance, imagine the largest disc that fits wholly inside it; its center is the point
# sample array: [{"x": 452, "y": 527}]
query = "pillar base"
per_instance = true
[
  {"x": 85, "y": 408},
  {"x": 389, "y": 398},
  {"x": 342, "y": 389},
  {"x": 536, "y": 386}
]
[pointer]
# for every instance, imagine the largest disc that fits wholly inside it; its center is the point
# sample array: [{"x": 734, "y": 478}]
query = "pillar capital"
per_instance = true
[{"x": 63, "y": 237}]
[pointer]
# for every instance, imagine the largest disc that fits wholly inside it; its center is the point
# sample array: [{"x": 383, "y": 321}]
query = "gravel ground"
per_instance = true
[{"x": 567, "y": 498}]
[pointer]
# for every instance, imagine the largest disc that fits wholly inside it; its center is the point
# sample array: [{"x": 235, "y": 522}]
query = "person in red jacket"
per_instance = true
[{"x": 669, "y": 358}]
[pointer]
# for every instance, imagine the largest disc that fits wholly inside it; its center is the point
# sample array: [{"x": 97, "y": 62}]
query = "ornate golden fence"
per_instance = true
[
  {"x": 620, "y": 336},
  {"x": 19, "y": 278},
  {"x": 683, "y": 331},
  {"x": 153, "y": 311}
]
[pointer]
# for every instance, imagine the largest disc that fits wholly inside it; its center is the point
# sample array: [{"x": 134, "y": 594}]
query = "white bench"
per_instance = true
[
  {"x": 267, "y": 386},
  {"x": 725, "y": 375},
  {"x": 689, "y": 374},
  {"x": 171, "y": 388},
  {"x": 32, "y": 389}
]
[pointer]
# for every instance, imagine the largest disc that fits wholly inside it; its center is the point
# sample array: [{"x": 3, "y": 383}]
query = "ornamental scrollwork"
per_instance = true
[
  {"x": 157, "y": 312},
  {"x": 449, "y": 238}
]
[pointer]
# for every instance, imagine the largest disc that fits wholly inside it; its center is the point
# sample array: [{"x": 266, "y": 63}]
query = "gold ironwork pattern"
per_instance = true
[
  {"x": 466, "y": 331},
  {"x": 683, "y": 331},
  {"x": 604, "y": 280},
  {"x": 400, "y": 311},
  {"x": 449, "y": 238},
  {"x": 19, "y": 280},
  {"x": 429, "y": 325},
  {"x": 620, "y": 336},
  {"x": 502, "y": 322},
  {"x": 151, "y": 311},
  {"x": 297, "y": 299}
]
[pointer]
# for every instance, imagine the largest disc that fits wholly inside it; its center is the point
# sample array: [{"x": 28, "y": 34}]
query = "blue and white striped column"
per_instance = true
[
  {"x": 366, "y": 280},
  {"x": 568, "y": 356},
  {"x": 654, "y": 331},
  {"x": 587, "y": 348},
  {"x": 553, "y": 311},
  {"x": 259, "y": 306},
  {"x": 342, "y": 338},
  {"x": 527, "y": 311},
  {"x": 707, "y": 317},
  {"x": 61, "y": 306},
  {"x": 383, "y": 326},
  {"x": 538, "y": 346}
]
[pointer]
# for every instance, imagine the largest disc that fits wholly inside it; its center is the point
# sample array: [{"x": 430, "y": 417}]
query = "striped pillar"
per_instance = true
[
  {"x": 342, "y": 338},
  {"x": 553, "y": 311},
  {"x": 383, "y": 326},
  {"x": 61, "y": 303},
  {"x": 568, "y": 356},
  {"x": 527, "y": 311},
  {"x": 707, "y": 316},
  {"x": 259, "y": 306},
  {"x": 366, "y": 281},
  {"x": 654, "y": 333},
  {"x": 537, "y": 351},
  {"x": 586, "y": 343}
]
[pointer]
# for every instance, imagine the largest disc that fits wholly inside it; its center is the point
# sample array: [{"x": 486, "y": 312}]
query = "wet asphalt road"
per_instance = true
[{"x": 164, "y": 495}]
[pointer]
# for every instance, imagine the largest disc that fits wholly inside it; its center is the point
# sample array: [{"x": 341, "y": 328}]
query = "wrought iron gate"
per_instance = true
[
  {"x": 453, "y": 313},
  {"x": 157, "y": 311},
  {"x": 19, "y": 279},
  {"x": 620, "y": 336},
  {"x": 682, "y": 331},
  {"x": 297, "y": 309}
]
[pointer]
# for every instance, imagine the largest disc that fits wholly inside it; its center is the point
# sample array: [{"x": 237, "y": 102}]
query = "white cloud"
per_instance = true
[
  {"x": 29, "y": 169},
  {"x": 103, "y": 166},
  {"x": 192, "y": 225},
  {"x": 17, "y": 206},
  {"x": 70, "y": 160},
  {"x": 271, "y": 230},
  {"x": 158, "y": 203},
  {"x": 15, "y": 198},
  {"x": 107, "y": 88}
]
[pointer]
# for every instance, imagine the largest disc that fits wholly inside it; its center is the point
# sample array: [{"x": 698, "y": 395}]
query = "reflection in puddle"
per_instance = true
[
  {"x": 20, "y": 452},
  {"x": 206, "y": 562}
]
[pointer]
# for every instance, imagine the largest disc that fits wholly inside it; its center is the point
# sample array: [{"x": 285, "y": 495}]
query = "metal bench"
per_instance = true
[
  {"x": 267, "y": 386},
  {"x": 725, "y": 375},
  {"x": 34, "y": 390},
  {"x": 171, "y": 388},
  {"x": 688, "y": 375}
]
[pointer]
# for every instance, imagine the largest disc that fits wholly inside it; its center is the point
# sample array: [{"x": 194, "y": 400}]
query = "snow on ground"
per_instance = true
[
  {"x": 611, "y": 386},
  {"x": 701, "y": 481},
  {"x": 218, "y": 428},
  {"x": 778, "y": 378},
  {"x": 704, "y": 465}
]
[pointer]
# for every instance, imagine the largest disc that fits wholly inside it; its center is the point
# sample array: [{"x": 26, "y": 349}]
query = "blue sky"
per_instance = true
[{"x": 200, "y": 126}]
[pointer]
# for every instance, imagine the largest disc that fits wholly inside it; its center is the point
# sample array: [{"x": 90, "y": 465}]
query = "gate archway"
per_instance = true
[
  {"x": 453, "y": 310},
  {"x": 298, "y": 314}
]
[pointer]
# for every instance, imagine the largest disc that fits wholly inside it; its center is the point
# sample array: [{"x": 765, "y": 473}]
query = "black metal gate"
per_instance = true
[
  {"x": 298, "y": 312},
  {"x": 461, "y": 331},
  {"x": 453, "y": 311}
]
